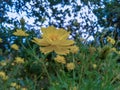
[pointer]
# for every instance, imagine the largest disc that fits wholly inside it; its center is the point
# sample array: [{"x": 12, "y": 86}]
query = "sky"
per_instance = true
[{"x": 84, "y": 10}]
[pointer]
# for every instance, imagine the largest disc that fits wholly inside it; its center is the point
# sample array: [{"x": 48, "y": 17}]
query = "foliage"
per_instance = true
[{"x": 29, "y": 69}]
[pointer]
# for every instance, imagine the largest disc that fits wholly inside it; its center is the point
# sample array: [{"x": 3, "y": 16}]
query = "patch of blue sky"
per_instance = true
[{"x": 82, "y": 13}]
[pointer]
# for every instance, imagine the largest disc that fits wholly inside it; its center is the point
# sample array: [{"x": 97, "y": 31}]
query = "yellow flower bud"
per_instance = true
[
  {"x": 70, "y": 66},
  {"x": 15, "y": 47},
  {"x": 60, "y": 59}
]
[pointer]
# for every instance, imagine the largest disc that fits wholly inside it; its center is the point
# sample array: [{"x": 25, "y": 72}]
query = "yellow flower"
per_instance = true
[
  {"x": 114, "y": 50},
  {"x": 74, "y": 49},
  {"x": 19, "y": 60},
  {"x": 118, "y": 52},
  {"x": 42, "y": 89},
  {"x": 17, "y": 86},
  {"x": 15, "y": 46},
  {"x": 3, "y": 75},
  {"x": 20, "y": 32},
  {"x": 60, "y": 59},
  {"x": 1, "y": 40},
  {"x": 13, "y": 84},
  {"x": 54, "y": 40},
  {"x": 3, "y": 63},
  {"x": 70, "y": 66},
  {"x": 110, "y": 40},
  {"x": 74, "y": 88},
  {"x": 94, "y": 66},
  {"x": 12, "y": 64},
  {"x": 23, "y": 89}
]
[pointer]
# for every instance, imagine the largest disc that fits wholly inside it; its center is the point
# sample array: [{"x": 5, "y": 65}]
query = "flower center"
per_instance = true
[{"x": 54, "y": 37}]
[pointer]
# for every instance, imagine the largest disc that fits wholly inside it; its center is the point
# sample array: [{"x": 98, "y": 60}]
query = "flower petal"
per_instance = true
[
  {"x": 61, "y": 50},
  {"x": 46, "y": 50},
  {"x": 40, "y": 42},
  {"x": 67, "y": 43}
]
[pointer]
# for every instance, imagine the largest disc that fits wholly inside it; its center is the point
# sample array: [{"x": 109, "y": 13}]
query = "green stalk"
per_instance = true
[{"x": 73, "y": 69}]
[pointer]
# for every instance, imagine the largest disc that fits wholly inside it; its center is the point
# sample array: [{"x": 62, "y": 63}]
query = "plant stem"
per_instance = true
[{"x": 73, "y": 69}]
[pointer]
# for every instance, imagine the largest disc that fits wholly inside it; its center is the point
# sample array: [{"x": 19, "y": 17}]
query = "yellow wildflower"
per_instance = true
[
  {"x": 23, "y": 89},
  {"x": 19, "y": 60},
  {"x": 60, "y": 59},
  {"x": 12, "y": 64},
  {"x": 3, "y": 75},
  {"x": 13, "y": 84},
  {"x": 54, "y": 40},
  {"x": 5, "y": 78},
  {"x": 74, "y": 49},
  {"x": 70, "y": 66},
  {"x": 114, "y": 50},
  {"x": 110, "y": 40},
  {"x": 3, "y": 63},
  {"x": 1, "y": 40},
  {"x": 42, "y": 89},
  {"x": 118, "y": 52},
  {"x": 94, "y": 66},
  {"x": 15, "y": 46},
  {"x": 17, "y": 86},
  {"x": 20, "y": 32},
  {"x": 74, "y": 88}
]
